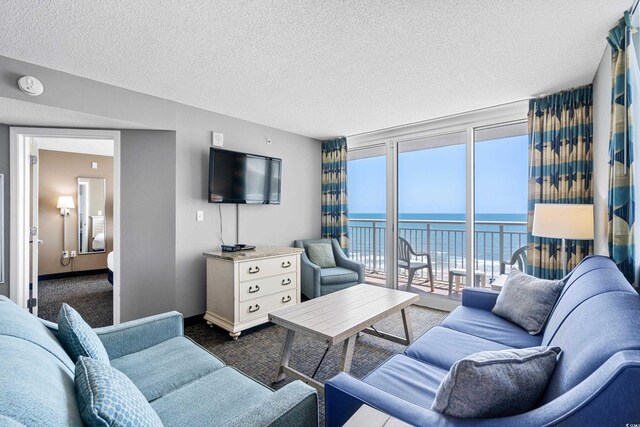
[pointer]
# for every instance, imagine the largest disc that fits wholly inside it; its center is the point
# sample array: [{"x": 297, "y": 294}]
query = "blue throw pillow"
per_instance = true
[
  {"x": 527, "y": 301},
  {"x": 77, "y": 337},
  {"x": 107, "y": 397},
  {"x": 493, "y": 384},
  {"x": 321, "y": 254}
]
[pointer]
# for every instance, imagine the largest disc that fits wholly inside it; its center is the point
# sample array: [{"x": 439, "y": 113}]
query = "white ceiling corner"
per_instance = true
[{"x": 319, "y": 68}]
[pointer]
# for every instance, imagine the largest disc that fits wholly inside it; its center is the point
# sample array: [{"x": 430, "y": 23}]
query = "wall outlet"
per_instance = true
[
  {"x": 199, "y": 215},
  {"x": 73, "y": 254},
  {"x": 65, "y": 254}
]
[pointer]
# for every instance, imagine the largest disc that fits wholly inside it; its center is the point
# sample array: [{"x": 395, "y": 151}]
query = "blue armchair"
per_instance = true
[{"x": 318, "y": 281}]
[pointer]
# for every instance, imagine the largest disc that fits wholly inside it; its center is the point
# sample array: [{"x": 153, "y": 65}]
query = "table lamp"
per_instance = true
[{"x": 563, "y": 221}]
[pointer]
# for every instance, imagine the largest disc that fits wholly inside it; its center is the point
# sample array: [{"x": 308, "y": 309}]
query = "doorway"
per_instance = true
[{"x": 65, "y": 221}]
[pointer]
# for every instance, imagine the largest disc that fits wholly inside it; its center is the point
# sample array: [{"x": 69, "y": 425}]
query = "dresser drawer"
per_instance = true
[
  {"x": 258, "y": 307},
  {"x": 256, "y": 288},
  {"x": 255, "y": 269}
]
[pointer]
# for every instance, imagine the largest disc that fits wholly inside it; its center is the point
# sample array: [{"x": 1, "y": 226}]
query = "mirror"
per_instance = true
[{"x": 92, "y": 220}]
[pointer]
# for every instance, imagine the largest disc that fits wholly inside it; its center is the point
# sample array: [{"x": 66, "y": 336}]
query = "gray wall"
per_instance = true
[
  {"x": 297, "y": 217},
  {"x": 601, "y": 125},
  {"x": 148, "y": 223},
  {"x": 4, "y": 169}
]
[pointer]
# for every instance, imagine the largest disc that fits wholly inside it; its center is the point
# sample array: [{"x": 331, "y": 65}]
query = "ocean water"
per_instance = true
[
  {"x": 509, "y": 217},
  {"x": 443, "y": 236}
]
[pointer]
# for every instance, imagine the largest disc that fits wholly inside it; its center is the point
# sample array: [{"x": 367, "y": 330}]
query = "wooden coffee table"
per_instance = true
[{"x": 338, "y": 317}]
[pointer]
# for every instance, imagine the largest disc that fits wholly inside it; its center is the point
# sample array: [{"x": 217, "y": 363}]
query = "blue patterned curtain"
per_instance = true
[
  {"x": 561, "y": 168},
  {"x": 335, "y": 222},
  {"x": 624, "y": 69}
]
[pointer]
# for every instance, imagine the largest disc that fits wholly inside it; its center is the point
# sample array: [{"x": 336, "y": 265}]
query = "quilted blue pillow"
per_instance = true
[
  {"x": 77, "y": 337},
  {"x": 107, "y": 397}
]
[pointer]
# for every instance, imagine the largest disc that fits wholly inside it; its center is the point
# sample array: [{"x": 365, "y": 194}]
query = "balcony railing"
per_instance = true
[{"x": 445, "y": 241}]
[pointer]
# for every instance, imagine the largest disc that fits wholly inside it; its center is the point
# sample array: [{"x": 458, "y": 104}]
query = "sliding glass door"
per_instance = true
[
  {"x": 501, "y": 180},
  {"x": 366, "y": 190},
  {"x": 435, "y": 211},
  {"x": 431, "y": 213}
]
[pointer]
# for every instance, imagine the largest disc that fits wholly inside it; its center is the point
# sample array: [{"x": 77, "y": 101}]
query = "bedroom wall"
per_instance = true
[
  {"x": 4, "y": 169},
  {"x": 58, "y": 174},
  {"x": 297, "y": 217}
]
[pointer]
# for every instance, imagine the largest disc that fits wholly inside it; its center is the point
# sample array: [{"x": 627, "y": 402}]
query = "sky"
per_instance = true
[{"x": 433, "y": 180}]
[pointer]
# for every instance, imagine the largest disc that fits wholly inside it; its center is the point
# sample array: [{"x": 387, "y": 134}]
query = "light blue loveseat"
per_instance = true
[
  {"x": 596, "y": 323},
  {"x": 185, "y": 384}
]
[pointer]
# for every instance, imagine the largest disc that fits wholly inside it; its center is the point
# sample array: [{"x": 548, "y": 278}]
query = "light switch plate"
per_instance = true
[
  {"x": 217, "y": 139},
  {"x": 199, "y": 215}
]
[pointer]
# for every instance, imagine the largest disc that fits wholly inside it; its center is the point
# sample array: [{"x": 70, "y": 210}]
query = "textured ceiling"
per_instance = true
[{"x": 319, "y": 68}]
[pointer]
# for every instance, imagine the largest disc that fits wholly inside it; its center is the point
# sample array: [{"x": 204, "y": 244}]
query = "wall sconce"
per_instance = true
[{"x": 64, "y": 204}]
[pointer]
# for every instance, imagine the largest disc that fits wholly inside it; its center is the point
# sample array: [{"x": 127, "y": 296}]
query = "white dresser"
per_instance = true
[{"x": 243, "y": 287}]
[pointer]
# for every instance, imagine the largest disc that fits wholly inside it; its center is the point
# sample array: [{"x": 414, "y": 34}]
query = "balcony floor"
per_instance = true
[{"x": 419, "y": 285}]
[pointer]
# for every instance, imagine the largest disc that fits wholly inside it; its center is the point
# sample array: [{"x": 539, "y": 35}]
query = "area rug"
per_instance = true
[{"x": 257, "y": 352}]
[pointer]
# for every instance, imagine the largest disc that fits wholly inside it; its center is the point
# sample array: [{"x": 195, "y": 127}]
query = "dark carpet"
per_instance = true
[
  {"x": 257, "y": 351},
  {"x": 91, "y": 296}
]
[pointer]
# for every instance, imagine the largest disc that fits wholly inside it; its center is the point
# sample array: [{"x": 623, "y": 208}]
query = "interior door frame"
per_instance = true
[
  {"x": 34, "y": 239},
  {"x": 19, "y": 207}
]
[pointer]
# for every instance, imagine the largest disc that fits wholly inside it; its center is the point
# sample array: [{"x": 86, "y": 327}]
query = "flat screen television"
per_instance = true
[{"x": 243, "y": 178}]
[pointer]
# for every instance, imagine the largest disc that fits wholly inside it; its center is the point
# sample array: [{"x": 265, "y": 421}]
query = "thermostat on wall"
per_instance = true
[{"x": 217, "y": 139}]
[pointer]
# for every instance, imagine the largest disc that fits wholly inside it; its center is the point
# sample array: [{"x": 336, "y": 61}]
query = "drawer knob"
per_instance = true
[
  {"x": 286, "y": 264},
  {"x": 253, "y": 310},
  {"x": 253, "y": 290},
  {"x": 286, "y": 282},
  {"x": 286, "y": 299},
  {"x": 254, "y": 270}
]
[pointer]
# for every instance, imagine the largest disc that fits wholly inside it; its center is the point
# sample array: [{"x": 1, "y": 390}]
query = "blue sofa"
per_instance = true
[
  {"x": 596, "y": 323},
  {"x": 185, "y": 384}
]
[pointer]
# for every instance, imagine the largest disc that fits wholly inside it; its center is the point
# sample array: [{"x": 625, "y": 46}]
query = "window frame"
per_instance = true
[{"x": 468, "y": 123}]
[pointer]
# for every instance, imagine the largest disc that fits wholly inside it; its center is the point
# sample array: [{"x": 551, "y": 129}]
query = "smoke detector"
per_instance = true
[{"x": 30, "y": 85}]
